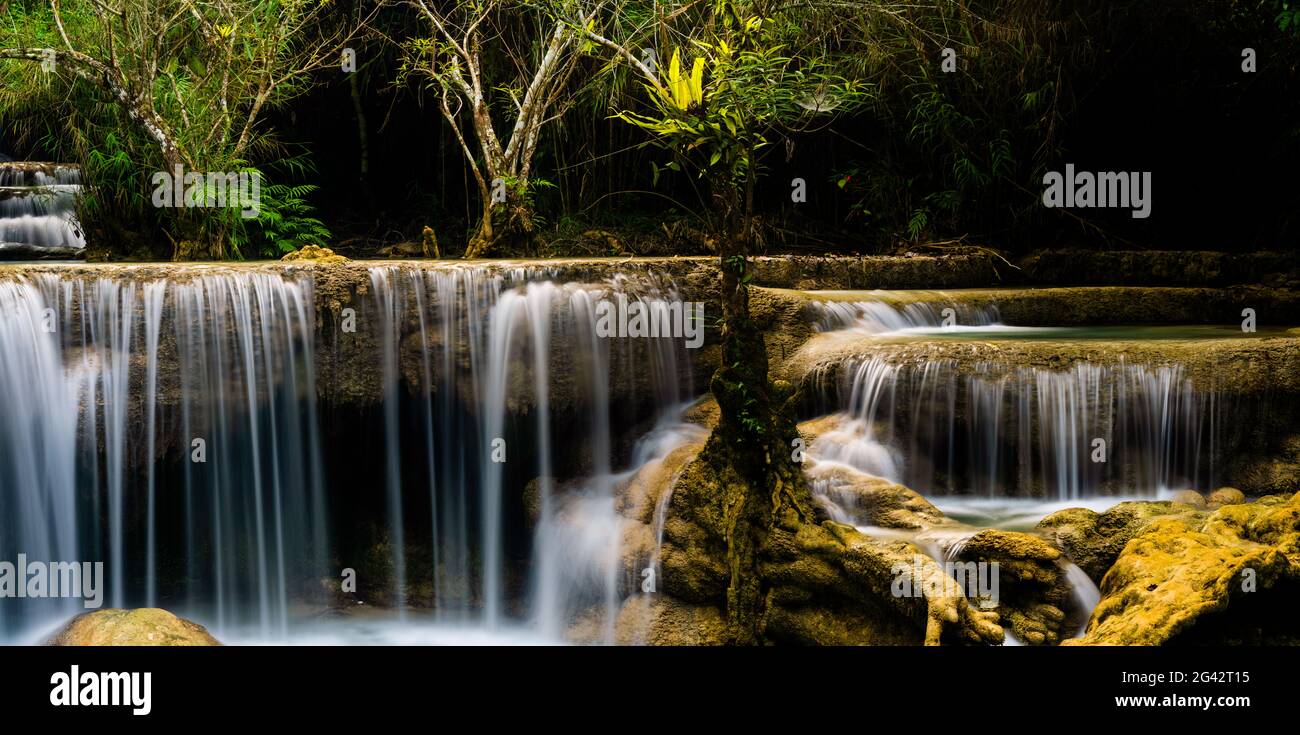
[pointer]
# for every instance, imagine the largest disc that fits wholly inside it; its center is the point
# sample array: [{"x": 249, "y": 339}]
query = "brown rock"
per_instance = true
[
  {"x": 140, "y": 627},
  {"x": 1227, "y": 496}
]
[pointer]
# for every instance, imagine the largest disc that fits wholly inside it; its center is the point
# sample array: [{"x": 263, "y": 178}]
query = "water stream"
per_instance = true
[
  {"x": 38, "y": 210},
  {"x": 455, "y": 440},
  {"x": 170, "y": 428}
]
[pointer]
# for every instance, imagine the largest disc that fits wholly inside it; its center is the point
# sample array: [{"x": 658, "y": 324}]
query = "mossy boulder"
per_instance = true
[
  {"x": 823, "y": 582},
  {"x": 1229, "y": 577},
  {"x": 872, "y": 500},
  {"x": 1189, "y": 497},
  {"x": 1033, "y": 592},
  {"x": 659, "y": 620},
  {"x": 1094, "y": 540},
  {"x": 1226, "y": 496},
  {"x": 313, "y": 254},
  {"x": 140, "y": 627},
  {"x": 833, "y": 585}
]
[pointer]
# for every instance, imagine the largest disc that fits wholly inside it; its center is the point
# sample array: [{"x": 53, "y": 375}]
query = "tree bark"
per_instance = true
[{"x": 755, "y": 431}]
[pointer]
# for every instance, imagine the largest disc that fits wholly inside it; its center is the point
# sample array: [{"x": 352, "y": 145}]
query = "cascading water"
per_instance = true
[
  {"x": 879, "y": 317},
  {"x": 998, "y": 430},
  {"x": 195, "y": 402},
  {"x": 1024, "y": 431},
  {"x": 995, "y": 444},
  {"x": 38, "y": 210},
  {"x": 524, "y": 384},
  {"x": 38, "y": 428},
  {"x": 172, "y": 428}
]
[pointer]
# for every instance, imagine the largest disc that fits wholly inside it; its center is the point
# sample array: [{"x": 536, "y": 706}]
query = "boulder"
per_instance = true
[
  {"x": 833, "y": 585},
  {"x": 139, "y": 627},
  {"x": 1226, "y": 496},
  {"x": 872, "y": 501},
  {"x": 1033, "y": 593},
  {"x": 826, "y": 582},
  {"x": 659, "y": 620},
  {"x": 1189, "y": 497},
  {"x": 1231, "y": 577},
  {"x": 313, "y": 254},
  {"x": 1093, "y": 540}
]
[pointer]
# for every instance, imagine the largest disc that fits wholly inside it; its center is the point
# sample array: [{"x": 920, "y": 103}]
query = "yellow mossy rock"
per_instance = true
[
  {"x": 1189, "y": 497},
  {"x": 313, "y": 254},
  {"x": 1227, "y": 496},
  {"x": 1229, "y": 577},
  {"x": 1094, "y": 540},
  {"x": 658, "y": 620},
  {"x": 876, "y": 500},
  {"x": 149, "y": 626}
]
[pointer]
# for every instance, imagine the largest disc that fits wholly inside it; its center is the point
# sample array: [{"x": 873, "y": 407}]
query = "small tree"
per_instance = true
[
  {"x": 752, "y": 77},
  {"x": 533, "y": 79}
]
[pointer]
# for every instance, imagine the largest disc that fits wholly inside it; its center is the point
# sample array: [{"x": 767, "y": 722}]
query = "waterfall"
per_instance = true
[
  {"x": 196, "y": 399},
  {"x": 38, "y": 436},
  {"x": 38, "y": 210},
  {"x": 879, "y": 317},
  {"x": 998, "y": 430},
  {"x": 194, "y": 433},
  {"x": 520, "y": 382}
]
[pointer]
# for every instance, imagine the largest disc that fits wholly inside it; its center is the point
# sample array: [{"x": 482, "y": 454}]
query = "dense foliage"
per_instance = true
[{"x": 908, "y": 124}]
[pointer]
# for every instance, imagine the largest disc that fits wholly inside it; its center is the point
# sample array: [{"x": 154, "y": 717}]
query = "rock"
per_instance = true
[
  {"x": 1189, "y": 497},
  {"x": 873, "y": 500},
  {"x": 533, "y": 501},
  {"x": 313, "y": 254},
  {"x": 703, "y": 412},
  {"x": 1093, "y": 540},
  {"x": 832, "y": 585},
  {"x": 826, "y": 582},
  {"x": 782, "y": 317},
  {"x": 429, "y": 243},
  {"x": 1278, "y": 474},
  {"x": 1227, "y": 496},
  {"x": 658, "y": 620},
  {"x": 140, "y": 627},
  {"x": 1033, "y": 592},
  {"x": 1231, "y": 577}
]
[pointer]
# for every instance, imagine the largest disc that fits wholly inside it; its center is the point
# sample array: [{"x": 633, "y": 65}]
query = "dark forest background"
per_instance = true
[{"x": 1123, "y": 85}]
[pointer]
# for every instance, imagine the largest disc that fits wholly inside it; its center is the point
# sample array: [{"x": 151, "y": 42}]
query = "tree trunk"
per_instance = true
[
  {"x": 755, "y": 433},
  {"x": 507, "y": 228}
]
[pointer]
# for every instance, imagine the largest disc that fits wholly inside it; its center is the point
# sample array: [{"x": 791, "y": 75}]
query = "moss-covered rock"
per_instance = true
[
  {"x": 313, "y": 254},
  {"x": 139, "y": 627},
  {"x": 873, "y": 501},
  {"x": 1189, "y": 497},
  {"x": 1034, "y": 594},
  {"x": 1094, "y": 540},
  {"x": 1232, "y": 576},
  {"x": 833, "y": 585},
  {"x": 1226, "y": 496},
  {"x": 824, "y": 583},
  {"x": 659, "y": 620}
]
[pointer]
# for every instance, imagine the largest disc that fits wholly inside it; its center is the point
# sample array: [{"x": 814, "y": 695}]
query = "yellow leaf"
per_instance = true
[
  {"x": 675, "y": 81},
  {"x": 697, "y": 81}
]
